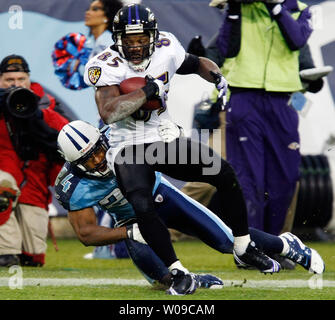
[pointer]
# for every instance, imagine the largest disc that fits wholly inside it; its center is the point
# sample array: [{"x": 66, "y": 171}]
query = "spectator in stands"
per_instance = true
[
  {"x": 98, "y": 18},
  {"x": 29, "y": 164}
]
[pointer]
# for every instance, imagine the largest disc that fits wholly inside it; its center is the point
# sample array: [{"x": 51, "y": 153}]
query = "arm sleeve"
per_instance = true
[
  {"x": 305, "y": 58},
  {"x": 295, "y": 32},
  {"x": 229, "y": 37},
  {"x": 213, "y": 52},
  {"x": 190, "y": 64}
]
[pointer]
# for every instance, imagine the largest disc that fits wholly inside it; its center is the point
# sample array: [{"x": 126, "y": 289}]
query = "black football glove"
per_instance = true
[
  {"x": 155, "y": 89},
  {"x": 315, "y": 85}
]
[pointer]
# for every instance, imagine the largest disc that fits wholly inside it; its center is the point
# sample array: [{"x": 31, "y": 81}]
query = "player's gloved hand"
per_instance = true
[
  {"x": 169, "y": 131},
  {"x": 221, "y": 85},
  {"x": 6, "y": 196},
  {"x": 133, "y": 232},
  {"x": 155, "y": 89}
]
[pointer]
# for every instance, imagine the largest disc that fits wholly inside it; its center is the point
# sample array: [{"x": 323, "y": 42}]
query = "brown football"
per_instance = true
[{"x": 132, "y": 84}]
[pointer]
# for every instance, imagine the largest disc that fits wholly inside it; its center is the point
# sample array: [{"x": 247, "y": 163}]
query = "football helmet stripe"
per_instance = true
[
  {"x": 137, "y": 14},
  {"x": 77, "y": 145},
  {"x": 129, "y": 14},
  {"x": 81, "y": 135}
]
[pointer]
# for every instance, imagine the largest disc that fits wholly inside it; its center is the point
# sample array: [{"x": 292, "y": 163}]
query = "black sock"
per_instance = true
[{"x": 267, "y": 242}]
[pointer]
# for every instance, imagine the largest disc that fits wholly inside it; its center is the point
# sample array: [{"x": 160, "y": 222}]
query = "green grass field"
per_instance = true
[{"x": 68, "y": 276}]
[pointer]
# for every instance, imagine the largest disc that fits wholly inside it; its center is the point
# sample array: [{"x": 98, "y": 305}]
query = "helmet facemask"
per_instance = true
[
  {"x": 100, "y": 170},
  {"x": 83, "y": 145},
  {"x": 127, "y": 53},
  {"x": 135, "y": 19}
]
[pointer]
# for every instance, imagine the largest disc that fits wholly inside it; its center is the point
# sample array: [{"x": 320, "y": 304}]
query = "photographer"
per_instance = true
[
  {"x": 29, "y": 163},
  {"x": 261, "y": 42}
]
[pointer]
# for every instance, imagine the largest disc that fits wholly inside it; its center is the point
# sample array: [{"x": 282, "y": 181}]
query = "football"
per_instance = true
[{"x": 132, "y": 84}]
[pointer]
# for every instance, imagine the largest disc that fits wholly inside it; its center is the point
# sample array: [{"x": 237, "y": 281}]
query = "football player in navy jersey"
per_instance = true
[
  {"x": 86, "y": 180},
  {"x": 140, "y": 50}
]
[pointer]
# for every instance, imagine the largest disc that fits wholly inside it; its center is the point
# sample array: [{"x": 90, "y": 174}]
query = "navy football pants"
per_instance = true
[
  {"x": 181, "y": 159},
  {"x": 180, "y": 212}
]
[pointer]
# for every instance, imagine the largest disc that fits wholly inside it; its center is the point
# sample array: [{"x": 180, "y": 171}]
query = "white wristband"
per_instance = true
[
  {"x": 276, "y": 9},
  {"x": 233, "y": 16}
]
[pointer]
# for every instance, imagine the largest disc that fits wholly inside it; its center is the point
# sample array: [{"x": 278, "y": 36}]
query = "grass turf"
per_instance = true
[{"x": 68, "y": 263}]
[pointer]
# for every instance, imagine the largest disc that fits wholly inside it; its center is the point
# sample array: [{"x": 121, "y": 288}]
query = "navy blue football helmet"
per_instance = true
[{"x": 135, "y": 19}]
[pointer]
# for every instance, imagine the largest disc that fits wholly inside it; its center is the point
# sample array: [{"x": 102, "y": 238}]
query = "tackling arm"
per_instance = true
[{"x": 89, "y": 233}]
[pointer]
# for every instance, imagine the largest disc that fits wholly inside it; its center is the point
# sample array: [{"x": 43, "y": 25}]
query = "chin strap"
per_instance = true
[{"x": 141, "y": 66}]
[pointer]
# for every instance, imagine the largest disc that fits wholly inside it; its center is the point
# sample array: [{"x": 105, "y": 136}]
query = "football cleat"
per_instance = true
[
  {"x": 182, "y": 283},
  {"x": 303, "y": 255},
  {"x": 208, "y": 281},
  {"x": 285, "y": 263},
  {"x": 243, "y": 266},
  {"x": 253, "y": 257}
]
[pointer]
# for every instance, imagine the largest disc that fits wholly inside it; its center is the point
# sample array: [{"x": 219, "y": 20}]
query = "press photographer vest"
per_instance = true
[{"x": 264, "y": 61}]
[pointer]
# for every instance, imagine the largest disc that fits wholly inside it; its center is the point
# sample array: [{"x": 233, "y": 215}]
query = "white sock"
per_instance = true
[
  {"x": 286, "y": 246},
  {"x": 241, "y": 244},
  {"x": 178, "y": 265}
]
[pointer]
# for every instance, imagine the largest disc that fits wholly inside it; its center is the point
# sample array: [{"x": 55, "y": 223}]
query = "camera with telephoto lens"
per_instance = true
[{"x": 18, "y": 102}]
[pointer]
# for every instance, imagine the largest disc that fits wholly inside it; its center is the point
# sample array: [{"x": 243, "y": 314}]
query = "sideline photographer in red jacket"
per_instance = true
[{"x": 29, "y": 164}]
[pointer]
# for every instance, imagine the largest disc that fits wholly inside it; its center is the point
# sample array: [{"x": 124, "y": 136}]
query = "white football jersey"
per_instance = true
[{"x": 109, "y": 68}]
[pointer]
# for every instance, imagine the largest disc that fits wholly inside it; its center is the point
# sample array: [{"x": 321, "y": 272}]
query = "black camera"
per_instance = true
[{"x": 18, "y": 102}]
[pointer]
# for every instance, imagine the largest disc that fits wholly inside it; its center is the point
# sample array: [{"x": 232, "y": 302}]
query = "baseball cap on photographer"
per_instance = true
[{"x": 14, "y": 63}]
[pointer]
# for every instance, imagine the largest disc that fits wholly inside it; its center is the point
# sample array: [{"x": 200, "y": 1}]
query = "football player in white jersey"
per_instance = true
[
  {"x": 137, "y": 150},
  {"x": 85, "y": 181}
]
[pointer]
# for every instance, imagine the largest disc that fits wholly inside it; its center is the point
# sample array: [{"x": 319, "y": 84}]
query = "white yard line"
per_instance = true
[
  {"x": 314, "y": 282},
  {"x": 60, "y": 282}
]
